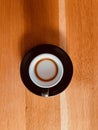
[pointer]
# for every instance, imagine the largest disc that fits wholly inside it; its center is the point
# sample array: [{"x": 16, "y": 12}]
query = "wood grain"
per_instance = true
[
  {"x": 12, "y": 92},
  {"x": 72, "y": 25},
  {"x": 82, "y": 45}
]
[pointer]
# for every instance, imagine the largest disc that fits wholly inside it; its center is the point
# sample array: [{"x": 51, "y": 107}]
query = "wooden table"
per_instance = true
[{"x": 70, "y": 24}]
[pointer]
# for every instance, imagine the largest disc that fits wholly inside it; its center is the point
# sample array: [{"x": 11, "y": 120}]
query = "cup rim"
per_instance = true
[{"x": 50, "y": 83}]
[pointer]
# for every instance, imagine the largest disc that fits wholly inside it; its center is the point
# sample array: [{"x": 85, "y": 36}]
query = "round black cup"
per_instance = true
[{"x": 51, "y": 49}]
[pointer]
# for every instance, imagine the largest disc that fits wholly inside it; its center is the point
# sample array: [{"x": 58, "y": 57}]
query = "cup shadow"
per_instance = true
[{"x": 41, "y": 25}]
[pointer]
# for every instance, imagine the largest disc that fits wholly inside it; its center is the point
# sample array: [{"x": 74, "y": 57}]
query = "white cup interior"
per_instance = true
[{"x": 46, "y": 70}]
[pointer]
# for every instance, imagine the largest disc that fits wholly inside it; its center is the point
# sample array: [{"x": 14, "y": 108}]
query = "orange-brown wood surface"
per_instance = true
[{"x": 70, "y": 24}]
